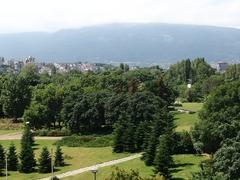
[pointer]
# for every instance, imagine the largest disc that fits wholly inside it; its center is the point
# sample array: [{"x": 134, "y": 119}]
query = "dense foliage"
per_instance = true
[
  {"x": 219, "y": 117},
  {"x": 190, "y": 72},
  {"x": 218, "y": 132}
]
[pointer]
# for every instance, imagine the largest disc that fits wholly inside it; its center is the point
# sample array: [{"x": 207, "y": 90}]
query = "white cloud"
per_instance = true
[{"x": 51, "y": 15}]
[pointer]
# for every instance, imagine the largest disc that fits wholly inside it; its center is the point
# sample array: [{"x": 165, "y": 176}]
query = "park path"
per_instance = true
[
  {"x": 14, "y": 136},
  {"x": 96, "y": 166}
]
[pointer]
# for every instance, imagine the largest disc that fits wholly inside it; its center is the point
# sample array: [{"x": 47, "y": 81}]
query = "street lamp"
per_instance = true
[{"x": 94, "y": 170}]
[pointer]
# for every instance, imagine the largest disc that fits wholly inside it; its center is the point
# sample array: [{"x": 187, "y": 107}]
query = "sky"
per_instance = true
[{"x": 53, "y": 15}]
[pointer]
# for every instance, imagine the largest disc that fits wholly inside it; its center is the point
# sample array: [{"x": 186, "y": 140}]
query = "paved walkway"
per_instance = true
[
  {"x": 14, "y": 136},
  {"x": 86, "y": 169}
]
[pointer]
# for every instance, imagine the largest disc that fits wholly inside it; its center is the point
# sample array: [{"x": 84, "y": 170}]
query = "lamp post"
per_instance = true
[
  {"x": 94, "y": 170},
  {"x": 52, "y": 168}
]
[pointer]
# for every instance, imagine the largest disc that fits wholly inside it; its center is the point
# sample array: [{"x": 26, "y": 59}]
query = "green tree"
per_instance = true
[
  {"x": 48, "y": 98},
  {"x": 45, "y": 161},
  {"x": 163, "y": 124},
  {"x": 27, "y": 137},
  {"x": 2, "y": 158},
  {"x": 227, "y": 158},
  {"x": 163, "y": 159},
  {"x": 219, "y": 117},
  {"x": 36, "y": 115},
  {"x": 59, "y": 160},
  {"x": 16, "y": 96},
  {"x": 12, "y": 158},
  {"x": 27, "y": 161},
  {"x": 30, "y": 73},
  {"x": 118, "y": 143},
  {"x": 129, "y": 138}
]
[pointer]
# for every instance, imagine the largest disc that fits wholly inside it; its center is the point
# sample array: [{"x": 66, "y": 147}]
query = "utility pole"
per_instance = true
[{"x": 52, "y": 163}]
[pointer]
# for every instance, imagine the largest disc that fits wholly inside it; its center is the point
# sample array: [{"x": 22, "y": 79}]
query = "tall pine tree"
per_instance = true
[
  {"x": 2, "y": 159},
  {"x": 45, "y": 161},
  {"x": 27, "y": 136},
  {"x": 119, "y": 130},
  {"x": 163, "y": 123},
  {"x": 59, "y": 161},
  {"x": 163, "y": 159},
  {"x": 12, "y": 158},
  {"x": 129, "y": 138},
  {"x": 27, "y": 160}
]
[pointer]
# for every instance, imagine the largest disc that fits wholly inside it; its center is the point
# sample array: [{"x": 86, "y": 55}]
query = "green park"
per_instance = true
[{"x": 144, "y": 124}]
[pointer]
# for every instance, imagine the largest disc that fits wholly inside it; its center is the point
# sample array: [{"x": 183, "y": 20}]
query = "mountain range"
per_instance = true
[{"x": 126, "y": 42}]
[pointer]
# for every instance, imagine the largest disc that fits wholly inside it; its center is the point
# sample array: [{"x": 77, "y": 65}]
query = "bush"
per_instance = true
[
  {"x": 120, "y": 174},
  {"x": 183, "y": 143},
  {"x": 54, "y": 133},
  {"x": 86, "y": 141}
]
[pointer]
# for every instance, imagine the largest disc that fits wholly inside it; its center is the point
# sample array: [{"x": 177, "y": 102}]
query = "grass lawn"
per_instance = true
[
  {"x": 185, "y": 121},
  {"x": 2, "y": 132},
  {"x": 192, "y": 106},
  {"x": 185, "y": 166},
  {"x": 77, "y": 157},
  {"x": 103, "y": 173}
]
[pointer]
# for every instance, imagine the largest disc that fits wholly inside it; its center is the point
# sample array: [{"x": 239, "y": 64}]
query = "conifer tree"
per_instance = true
[
  {"x": 27, "y": 136},
  {"x": 163, "y": 159},
  {"x": 45, "y": 161},
  {"x": 59, "y": 160},
  {"x": 141, "y": 135},
  {"x": 118, "y": 145},
  {"x": 129, "y": 138},
  {"x": 2, "y": 159},
  {"x": 163, "y": 123},
  {"x": 27, "y": 161},
  {"x": 12, "y": 158}
]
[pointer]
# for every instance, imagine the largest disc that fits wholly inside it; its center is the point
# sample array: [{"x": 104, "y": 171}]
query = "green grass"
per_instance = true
[
  {"x": 103, "y": 173},
  {"x": 3, "y": 132},
  {"x": 185, "y": 121},
  {"x": 86, "y": 141},
  {"x": 185, "y": 166},
  {"x": 192, "y": 106},
  {"x": 77, "y": 157}
]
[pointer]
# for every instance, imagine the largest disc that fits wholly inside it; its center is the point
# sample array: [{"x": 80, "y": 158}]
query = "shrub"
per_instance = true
[
  {"x": 119, "y": 174},
  {"x": 54, "y": 133},
  {"x": 86, "y": 141}
]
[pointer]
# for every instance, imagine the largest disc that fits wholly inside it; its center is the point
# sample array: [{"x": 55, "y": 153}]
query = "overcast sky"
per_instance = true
[{"x": 52, "y": 15}]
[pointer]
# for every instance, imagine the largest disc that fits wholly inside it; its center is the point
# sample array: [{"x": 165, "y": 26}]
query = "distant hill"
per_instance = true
[{"x": 144, "y": 43}]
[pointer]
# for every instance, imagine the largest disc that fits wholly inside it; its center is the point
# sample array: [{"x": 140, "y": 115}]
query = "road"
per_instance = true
[{"x": 96, "y": 166}]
